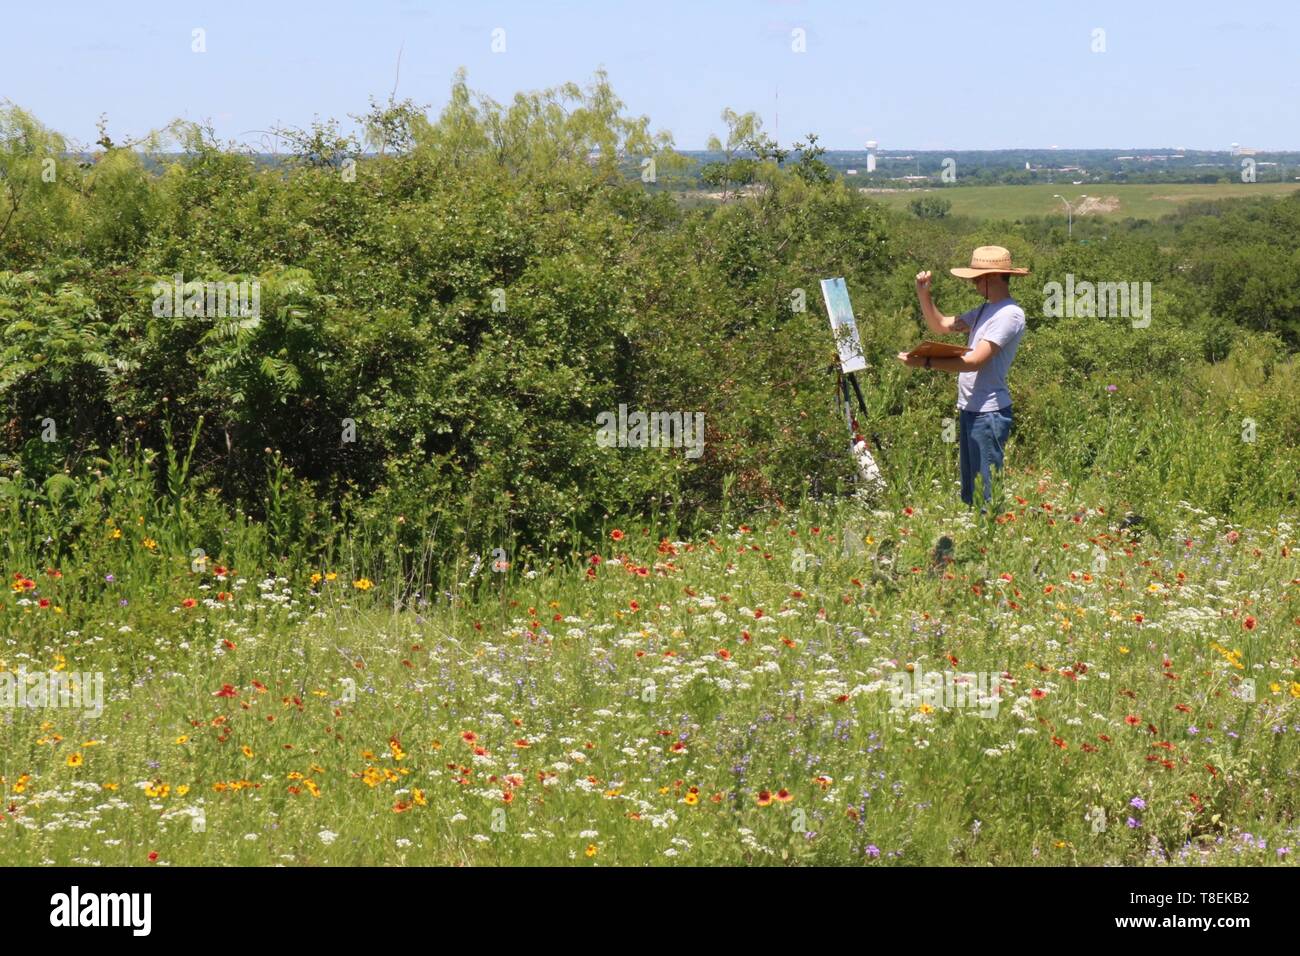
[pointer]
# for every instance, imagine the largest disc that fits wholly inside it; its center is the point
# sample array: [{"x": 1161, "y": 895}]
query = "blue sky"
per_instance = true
[{"x": 923, "y": 75}]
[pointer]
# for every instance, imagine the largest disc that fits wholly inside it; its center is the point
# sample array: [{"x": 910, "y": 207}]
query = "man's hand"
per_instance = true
[
  {"x": 913, "y": 361},
  {"x": 923, "y": 284}
]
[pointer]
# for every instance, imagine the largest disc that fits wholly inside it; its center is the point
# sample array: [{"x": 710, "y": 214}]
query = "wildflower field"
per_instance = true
[{"x": 728, "y": 699}]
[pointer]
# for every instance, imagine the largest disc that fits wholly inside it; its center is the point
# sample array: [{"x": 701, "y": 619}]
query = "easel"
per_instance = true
[{"x": 850, "y": 362}]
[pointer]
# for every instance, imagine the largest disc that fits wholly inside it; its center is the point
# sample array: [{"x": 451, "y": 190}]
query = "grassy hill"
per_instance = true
[
  {"x": 358, "y": 580},
  {"x": 1142, "y": 201}
]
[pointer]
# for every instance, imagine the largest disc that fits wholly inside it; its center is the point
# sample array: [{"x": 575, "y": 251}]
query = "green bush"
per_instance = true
[{"x": 440, "y": 326}]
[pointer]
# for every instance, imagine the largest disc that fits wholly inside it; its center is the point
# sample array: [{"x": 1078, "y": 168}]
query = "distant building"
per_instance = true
[
  {"x": 871, "y": 155},
  {"x": 850, "y": 172}
]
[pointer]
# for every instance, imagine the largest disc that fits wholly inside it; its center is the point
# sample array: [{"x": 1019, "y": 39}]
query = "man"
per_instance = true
[{"x": 993, "y": 332}]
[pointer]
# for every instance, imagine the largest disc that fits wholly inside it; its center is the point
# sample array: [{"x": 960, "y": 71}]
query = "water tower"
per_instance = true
[{"x": 871, "y": 155}]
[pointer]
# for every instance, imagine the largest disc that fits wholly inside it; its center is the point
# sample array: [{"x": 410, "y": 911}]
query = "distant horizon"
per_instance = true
[
  {"x": 785, "y": 141},
  {"x": 1027, "y": 149},
  {"x": 887, "y": 151}
]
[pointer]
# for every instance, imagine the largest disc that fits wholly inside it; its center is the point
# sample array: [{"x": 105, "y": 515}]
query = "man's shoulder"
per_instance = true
[
  {"x": 1010, "y": 312},
  {"x": 1006, "y": 325}
]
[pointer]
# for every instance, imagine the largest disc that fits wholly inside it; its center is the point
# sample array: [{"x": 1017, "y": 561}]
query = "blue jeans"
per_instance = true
[{"x": 981, "y": 438}]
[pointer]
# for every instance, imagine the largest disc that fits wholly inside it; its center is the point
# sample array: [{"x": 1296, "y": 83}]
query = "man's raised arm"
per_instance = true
[{"x": 938, "y": 323}]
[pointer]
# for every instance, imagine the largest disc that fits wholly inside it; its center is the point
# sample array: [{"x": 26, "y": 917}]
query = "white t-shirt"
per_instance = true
[{"x": 1003, "y": 324}]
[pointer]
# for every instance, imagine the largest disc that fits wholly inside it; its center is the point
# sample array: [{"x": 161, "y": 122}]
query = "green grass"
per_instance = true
[
  {"x": 1139, "y": 201},
  {"x": 767, "y": 651}
]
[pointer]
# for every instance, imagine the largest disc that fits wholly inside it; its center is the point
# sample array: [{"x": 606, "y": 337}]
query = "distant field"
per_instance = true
[{"x": 1141, "y": 201}]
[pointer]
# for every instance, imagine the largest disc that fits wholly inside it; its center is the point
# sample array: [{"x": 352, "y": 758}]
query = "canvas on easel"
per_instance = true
[
  {"x": 849, "y": 350},
  {"x": 836, "y": 296}
]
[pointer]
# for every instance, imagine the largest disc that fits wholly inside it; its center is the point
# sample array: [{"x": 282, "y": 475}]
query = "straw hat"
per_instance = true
[{"x": 987, "y": 260}]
